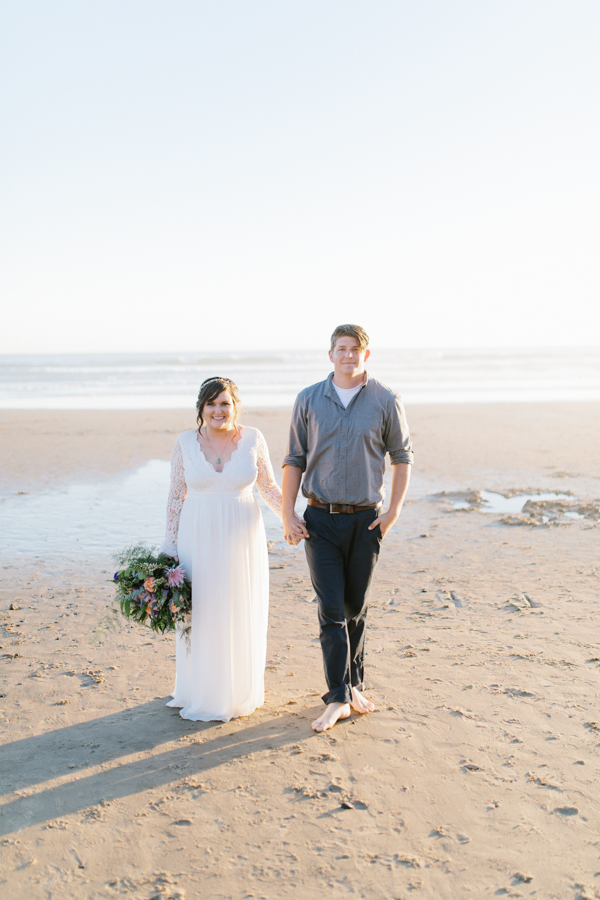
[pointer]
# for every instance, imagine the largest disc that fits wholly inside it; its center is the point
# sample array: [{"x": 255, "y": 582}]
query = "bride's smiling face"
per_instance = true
[{"x": 219, "y": 413}]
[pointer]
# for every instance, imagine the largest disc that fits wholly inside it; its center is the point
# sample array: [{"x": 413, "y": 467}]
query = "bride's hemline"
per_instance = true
[{"x": 209, "y": 717}]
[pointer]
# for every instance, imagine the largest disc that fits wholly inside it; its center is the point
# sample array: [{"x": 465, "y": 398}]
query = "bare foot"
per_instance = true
[
  {"x": 333, "y": 712},
  {"x": 359, "y": 703}
]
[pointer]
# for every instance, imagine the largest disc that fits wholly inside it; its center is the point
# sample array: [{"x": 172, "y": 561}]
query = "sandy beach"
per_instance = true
[{"x": 477, "y": 775}]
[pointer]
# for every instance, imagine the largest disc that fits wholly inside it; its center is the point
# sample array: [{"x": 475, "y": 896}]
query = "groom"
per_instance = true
[{"x": 341, "y": 430}]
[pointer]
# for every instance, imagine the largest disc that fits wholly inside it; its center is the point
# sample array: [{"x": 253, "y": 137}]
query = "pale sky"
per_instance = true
[{"x": 246, "y": 174}]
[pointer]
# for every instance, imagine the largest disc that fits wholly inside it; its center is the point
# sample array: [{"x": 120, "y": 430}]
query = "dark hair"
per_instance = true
[
  {"x": 210, "y": 390},
  {"x": 354, "y": 331}
]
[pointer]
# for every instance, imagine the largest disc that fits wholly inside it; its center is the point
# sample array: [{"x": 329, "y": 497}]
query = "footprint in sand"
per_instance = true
[
  {"x": 96, "y": 813},
  {"x": 470, "y": 767},
  {"x": 411, "y": 862},
  {"x": 460, "y": 713},
  {"x": 520, "y": 878},
  {"x": 450, "y": 600},
  {"x": 541, "y": 781},
  {"x": 523, "y": 602}
]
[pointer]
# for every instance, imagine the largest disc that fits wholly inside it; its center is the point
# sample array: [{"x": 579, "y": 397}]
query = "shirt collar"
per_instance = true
[{"x": 330, "y": 388}]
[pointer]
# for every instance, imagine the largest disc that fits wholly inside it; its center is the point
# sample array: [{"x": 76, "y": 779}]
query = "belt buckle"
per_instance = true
[{"x": 342, "y": 508}]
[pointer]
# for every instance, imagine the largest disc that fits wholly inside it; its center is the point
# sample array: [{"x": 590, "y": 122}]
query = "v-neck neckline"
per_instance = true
[{"x": 225, "y": 464}]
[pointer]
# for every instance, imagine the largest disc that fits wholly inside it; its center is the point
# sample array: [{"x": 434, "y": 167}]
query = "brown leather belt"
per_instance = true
[{"x": 335, "y": 508}]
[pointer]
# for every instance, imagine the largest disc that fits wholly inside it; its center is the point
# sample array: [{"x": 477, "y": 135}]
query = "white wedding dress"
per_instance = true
[{"x": 215, "y": 527}]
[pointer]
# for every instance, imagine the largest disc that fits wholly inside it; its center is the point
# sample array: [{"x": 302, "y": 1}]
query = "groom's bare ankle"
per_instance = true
[{"x": 360, "y": 703}]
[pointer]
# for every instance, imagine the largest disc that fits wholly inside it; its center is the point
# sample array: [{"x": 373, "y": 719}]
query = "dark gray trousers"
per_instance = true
[{"x": 342, "y": 556}]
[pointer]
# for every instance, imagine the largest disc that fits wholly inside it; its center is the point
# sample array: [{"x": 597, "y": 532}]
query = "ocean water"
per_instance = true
[{"x": 163, "y": 381}]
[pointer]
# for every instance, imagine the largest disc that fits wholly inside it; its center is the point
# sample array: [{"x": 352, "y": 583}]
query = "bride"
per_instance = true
[{"x": 215, "y": 529}]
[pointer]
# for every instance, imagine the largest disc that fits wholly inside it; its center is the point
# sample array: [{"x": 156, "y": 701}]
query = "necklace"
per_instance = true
[{"x": 213, "y": 448}]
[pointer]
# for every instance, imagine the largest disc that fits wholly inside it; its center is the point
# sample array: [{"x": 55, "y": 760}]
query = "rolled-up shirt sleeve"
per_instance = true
[
  {"x": 396, "y": 435},
  {"x": 298, "y": 441}
]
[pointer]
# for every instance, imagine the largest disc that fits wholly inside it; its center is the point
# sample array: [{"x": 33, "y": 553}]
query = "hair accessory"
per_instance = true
[{"x": 216, "y": 378}]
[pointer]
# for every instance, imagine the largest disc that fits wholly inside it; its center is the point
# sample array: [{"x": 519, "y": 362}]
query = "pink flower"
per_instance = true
[{"x": 175, "y": 577}]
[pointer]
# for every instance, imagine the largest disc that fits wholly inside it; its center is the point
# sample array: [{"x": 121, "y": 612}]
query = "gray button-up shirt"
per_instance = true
[{"x": 342, "y": 451}]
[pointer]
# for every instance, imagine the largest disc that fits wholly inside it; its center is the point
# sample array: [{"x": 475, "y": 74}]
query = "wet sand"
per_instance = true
[{"x": 477, "y": 775}]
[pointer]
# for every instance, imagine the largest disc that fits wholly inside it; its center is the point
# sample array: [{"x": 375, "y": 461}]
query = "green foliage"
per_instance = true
[{"x": 144, "y": 593}]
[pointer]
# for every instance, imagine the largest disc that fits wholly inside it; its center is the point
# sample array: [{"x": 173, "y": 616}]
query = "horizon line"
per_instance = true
[{"x": 282, "y": 349}]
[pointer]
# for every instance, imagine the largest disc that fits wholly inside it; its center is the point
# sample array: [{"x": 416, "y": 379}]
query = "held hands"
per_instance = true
[{"x": 294, "y": 530}]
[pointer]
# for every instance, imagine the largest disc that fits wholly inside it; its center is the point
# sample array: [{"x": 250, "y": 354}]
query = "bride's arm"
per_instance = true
[
  {"x": 177, "y": 494},
  {"x": 268, "y": 488}
]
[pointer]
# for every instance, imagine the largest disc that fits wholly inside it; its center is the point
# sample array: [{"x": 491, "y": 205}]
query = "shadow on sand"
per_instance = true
[{"x": 103, "y": 741}]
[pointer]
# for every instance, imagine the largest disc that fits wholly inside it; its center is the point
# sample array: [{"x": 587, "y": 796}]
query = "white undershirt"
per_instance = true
[{"x": 346, "y": 394}]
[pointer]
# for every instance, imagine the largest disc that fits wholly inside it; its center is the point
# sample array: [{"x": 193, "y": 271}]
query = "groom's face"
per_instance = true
[{"x": 347, "y": 357}]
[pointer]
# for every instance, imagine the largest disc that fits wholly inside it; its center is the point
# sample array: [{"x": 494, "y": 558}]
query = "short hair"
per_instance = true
[
  {"x": 354, "y": 331},
  {"x": 210, "y": 390}
]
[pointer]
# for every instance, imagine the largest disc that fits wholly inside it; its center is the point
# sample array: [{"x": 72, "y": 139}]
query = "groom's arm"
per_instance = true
[
  {"x": 397, "y": 443},
  {"x": 294, "y": 465},
  {"x": 293, "y": 529},
  {"x": 400, "y": 479}
]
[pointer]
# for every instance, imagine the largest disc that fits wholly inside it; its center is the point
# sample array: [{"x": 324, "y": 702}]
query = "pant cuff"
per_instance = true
[{"x": 339, "y": 695}]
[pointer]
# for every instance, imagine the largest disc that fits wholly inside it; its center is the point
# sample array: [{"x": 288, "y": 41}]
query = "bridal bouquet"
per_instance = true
[{"x": 152, "y": 590}]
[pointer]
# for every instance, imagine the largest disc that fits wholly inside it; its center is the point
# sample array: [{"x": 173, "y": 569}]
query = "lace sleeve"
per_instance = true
[
  {"x": 177, "y": 494},
  {"x": 268, "y": 488}
]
